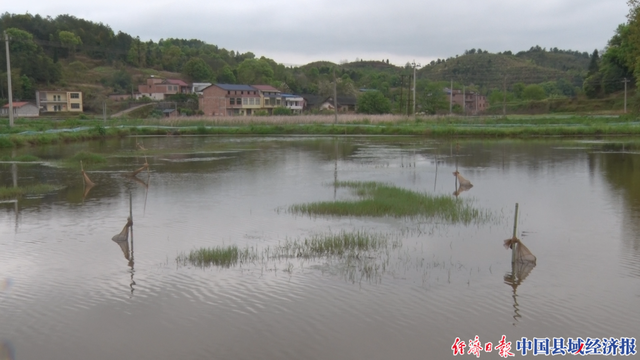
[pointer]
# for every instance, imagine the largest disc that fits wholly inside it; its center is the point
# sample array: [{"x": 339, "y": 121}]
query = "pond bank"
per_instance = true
[{"x": 26, "y": 133}]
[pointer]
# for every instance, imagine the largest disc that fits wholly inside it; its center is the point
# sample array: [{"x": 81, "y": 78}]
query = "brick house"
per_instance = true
[
  {"x": 271, "y": 97},
  {"x": 471, "y": 102},
  {"x": 183, "y": 87},
  {"x": 229, "y": 100},
  {"x": 157, "y": 88}
]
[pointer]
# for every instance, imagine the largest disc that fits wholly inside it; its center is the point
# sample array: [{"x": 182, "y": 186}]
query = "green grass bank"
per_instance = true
[{"x": 27, "y": 132}]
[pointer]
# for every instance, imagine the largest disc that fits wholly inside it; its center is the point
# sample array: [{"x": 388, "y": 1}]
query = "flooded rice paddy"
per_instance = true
[{"x": 299, "y": 284}]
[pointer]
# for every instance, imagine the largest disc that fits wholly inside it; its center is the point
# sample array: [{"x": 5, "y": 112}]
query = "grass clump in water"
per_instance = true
[
  {"x": 21, "y": 158},
  {"x": 342, "y": 245},
  {"x": 217, "y": 256},
  {"x": 323, "y": 245},
  {"x": 378, "y": 199},
  {"x": 88, "y": 158},
  {"x": 16, "y": 192}
]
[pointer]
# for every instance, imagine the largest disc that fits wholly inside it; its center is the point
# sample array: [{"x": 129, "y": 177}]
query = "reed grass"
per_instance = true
[
  {"x": 378, "y": 199},
  {"x": 351, "y": 245},
  {"x": 217, "y": 256},
  {"x": 17, "y": 192}
]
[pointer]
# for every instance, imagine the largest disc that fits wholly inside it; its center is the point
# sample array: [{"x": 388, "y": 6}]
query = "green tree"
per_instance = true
[
  {"x": 70, "y": 40},
  {"x": 197, "y": 70},
  {"x": 373, "y": 102},
  {"x": 533, "y": 92},
  {"x": 592, "y": 86},
  {"x": 226, "y": 76},
  {"x": 137, "y": 55},
  {"x": 432, "y": 99},
  {"x": 121, "y": 81},
  {"x": 594, "y": 63},
  {"x": 518, "y": 88},
  {"x": 252, "y": 71},
  {"x": 172, "y": 58}
]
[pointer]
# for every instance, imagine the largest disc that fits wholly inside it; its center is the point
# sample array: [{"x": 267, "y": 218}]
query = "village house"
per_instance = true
[
  {"x": 229, "y": 100},
  {"x": 471, "y": 102},
  {"x": 196, "y": 88},
  {"x": 293, "y": 102},
  {"x": 21, "y": 109},
  {"x": 271, "y": 97},
  {"x": 345, "y": 104},
  {"x": 157, "y": 88},
  {"x": 54, "y": 101},
  {"x": 183, "y": 87}
]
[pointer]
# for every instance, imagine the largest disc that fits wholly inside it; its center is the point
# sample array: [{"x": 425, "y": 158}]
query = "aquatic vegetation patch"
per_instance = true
[
  {"x": 379, "y": 199},
  {"x": 16, "y": 192},
  {"x": 87, "y": 158},
  {"x": 352, "y": 245},
  {"x": 20, "y": 158}
]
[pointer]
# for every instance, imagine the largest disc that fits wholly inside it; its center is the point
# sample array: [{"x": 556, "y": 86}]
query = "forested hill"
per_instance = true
[
  {"x": 68, "y": 52},
  {"x": 494, "y": 70}
]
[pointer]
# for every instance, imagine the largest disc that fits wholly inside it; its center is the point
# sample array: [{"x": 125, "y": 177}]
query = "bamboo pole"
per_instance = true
[{"x": 515, "y": 229}]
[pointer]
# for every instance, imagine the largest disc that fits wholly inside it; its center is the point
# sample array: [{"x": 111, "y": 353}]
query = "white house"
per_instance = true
[
  {"x": 21, "y": 109},
  {"x": 196, "y": 88},
  {"x": 293, "y": 102}
]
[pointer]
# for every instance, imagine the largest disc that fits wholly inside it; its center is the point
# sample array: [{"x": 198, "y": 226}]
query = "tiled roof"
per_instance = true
[
  {"x": 235, "y": 87},
  {"x": 266, "y": 88},
  {"x": 177, "y": 82},
  {"x": 17, "y": 104}
]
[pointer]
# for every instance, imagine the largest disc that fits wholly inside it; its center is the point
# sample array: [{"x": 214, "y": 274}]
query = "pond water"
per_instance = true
[{"x": 68, "y": 292}]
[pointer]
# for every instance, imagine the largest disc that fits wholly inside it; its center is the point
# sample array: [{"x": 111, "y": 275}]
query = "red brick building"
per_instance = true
[
  {"x": 229, "y": 100},
  {"x": 157, "y": 88},
  {"x": 471, "y": 102}
]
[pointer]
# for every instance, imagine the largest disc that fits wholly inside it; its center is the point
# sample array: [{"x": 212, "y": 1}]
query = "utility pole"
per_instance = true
[
  {"x": 451, "y": 99},
  {"x": 476, "y": 103},
  {"x": 625, "y": 81},
  {"x": 464, "y": 101},
  {"x": 408, "y": 98},
  {"x": 414, "y": 86},
  {"x": 335, "y": 96},
  {"x": 6, "y": 39},
  {"x": 504, "y": 97},
  {"x": 401, "y": 88}
]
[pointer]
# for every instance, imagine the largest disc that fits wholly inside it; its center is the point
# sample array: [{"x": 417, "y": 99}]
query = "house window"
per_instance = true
[
  {"x": 75, "y": 95},
  {"x": 278, "y": 102},
  {"x": 232, "y": 101},
  {"x": 228, "y": 92},
  {"x": 241, "y": 92},
  {"x": 75, "y": 106},
  {"x": 245, "y": 101},
  {"x": 238, "y": 101}
]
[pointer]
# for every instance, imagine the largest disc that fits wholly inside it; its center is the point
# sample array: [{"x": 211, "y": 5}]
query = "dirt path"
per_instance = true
[{"x": 123, "y": 112}]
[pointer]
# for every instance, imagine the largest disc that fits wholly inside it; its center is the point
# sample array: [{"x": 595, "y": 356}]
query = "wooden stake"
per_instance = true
[{"x": 515, "y": 229}]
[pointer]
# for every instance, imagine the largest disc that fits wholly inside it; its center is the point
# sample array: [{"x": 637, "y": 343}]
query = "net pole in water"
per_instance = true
[{"x": 515, "y": 229}]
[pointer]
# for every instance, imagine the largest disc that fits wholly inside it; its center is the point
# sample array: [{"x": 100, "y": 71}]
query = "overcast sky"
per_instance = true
[{"x": 299, "y": 32}]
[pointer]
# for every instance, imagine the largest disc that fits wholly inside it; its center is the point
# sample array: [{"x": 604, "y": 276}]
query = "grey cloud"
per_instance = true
[{"x": 334, "y": 29}]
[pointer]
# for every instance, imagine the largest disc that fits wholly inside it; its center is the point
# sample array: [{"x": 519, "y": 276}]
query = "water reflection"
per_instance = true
[
  {"x": 6, "y": 350},
  {"x": 521, "y": 267},
  {"x": 122, "y": 239},
  {"x": 622, "y": 171}
]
